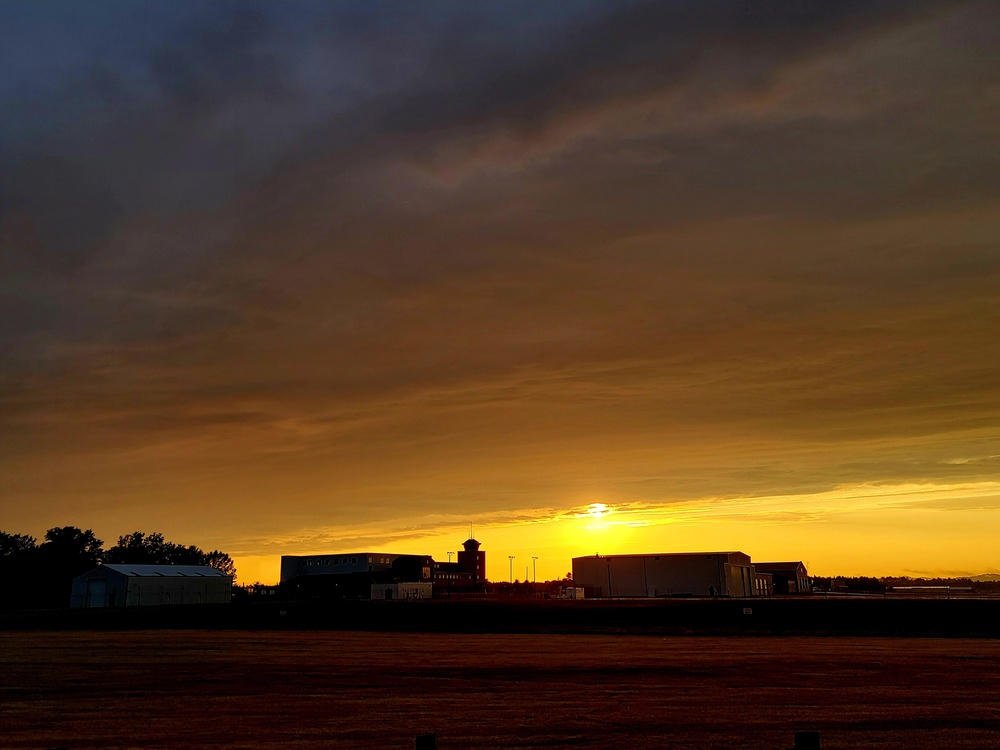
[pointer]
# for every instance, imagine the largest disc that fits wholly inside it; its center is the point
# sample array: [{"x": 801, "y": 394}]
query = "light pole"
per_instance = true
[
  {"x": 534, "y": 571},
  {"x": 449, "y": 556},
  {"x": 511, "y": 558}
]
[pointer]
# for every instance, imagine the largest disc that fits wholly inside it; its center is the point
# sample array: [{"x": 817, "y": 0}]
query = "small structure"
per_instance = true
[
  {"x": 788, "y": 577},
  {"x": 410, "y": 590},
  {"x": 115, "y": 585},
  {"x": 467, "y": 574},
  {"x": 763, "y": 582},
  {"x": 666, "y": 574}
]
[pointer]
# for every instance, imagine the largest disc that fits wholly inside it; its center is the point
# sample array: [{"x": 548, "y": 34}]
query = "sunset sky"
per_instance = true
[{"x": 596, "y": 277}]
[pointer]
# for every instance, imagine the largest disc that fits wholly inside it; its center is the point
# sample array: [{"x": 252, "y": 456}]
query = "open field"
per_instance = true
[
  {"x": 318, "y": 689},
  {"x": 780, "y": 616}
]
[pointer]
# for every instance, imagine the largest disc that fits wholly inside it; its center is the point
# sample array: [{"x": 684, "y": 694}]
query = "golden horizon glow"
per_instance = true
[{"x": 846, "y": 531}]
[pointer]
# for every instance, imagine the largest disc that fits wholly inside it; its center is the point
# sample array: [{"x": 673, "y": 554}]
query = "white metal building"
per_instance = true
[
  {"x": 116, "y": 585},
  {"x": 666, "y": 574},
  {"x": 412, "y": 590}
]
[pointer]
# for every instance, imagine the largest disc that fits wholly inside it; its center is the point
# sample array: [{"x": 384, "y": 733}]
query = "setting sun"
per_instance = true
[{"x": 597, "y": 510}]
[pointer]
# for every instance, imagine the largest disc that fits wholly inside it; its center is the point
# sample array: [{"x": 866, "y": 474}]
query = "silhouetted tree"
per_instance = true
[
  {"x": 66, "y": 553},
  {"x": 15, "y": 545},
  {"x": 74, "y": 550},
  {"x": 221, "y": 561},
  {"x": 18, "y": 570},
  {"x": 138, "y": 548}
]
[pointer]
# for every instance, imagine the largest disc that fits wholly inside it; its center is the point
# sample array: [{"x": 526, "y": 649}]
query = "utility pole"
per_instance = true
[
  {"x": 534, "y": 571},
  {"x": 511, "y": 558}
]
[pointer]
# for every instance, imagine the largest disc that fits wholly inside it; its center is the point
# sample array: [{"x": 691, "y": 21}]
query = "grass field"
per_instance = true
[{"x": 266, "y": 689}]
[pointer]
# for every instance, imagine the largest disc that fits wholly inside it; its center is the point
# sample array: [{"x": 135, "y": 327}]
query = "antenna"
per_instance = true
[{"x": 471, "y": 535}]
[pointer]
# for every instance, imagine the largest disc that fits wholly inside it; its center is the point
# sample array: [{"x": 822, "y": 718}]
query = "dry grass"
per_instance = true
[{"x": 222, "y": 690}]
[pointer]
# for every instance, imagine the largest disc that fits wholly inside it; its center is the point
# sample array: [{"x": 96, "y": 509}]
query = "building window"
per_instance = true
[{"x": 354, "y": 561}]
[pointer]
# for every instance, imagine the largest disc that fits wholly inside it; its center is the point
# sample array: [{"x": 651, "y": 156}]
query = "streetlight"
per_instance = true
[
  {"x": 511, "y": 558},
  {"x": 449, "y": 556},
  {"x": 534, "y": 571}
]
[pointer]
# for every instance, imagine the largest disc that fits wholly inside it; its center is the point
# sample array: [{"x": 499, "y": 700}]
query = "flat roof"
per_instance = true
[
  {"x": 354, "y": 554},
  {"x": 664, "y": 554},
  {"x": 778, "y": 565},
  {"x": 165, "y": 571}
]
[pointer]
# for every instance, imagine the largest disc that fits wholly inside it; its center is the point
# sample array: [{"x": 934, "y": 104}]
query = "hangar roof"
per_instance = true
[
  {"x": 347, "y": 554},
  {"x": 778, "y": 566},
  {"x": 668, "y": 554},
  {"x": 166, "y": 571}
]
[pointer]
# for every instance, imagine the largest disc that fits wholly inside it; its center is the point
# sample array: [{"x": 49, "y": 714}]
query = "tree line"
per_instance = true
[
  {"x": 873, "y": 585},
  {"x": 40, "y": 575}
]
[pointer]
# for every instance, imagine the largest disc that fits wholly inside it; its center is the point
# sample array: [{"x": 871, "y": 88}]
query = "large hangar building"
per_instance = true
[
  {"x": 666, "y": 574},
  {"x": 125, "y": 585}
]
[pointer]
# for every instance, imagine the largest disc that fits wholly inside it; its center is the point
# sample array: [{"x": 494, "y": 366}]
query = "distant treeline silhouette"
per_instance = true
[
  {"x": 872, "y": 585},
  {"x": 39, "y": 576}
]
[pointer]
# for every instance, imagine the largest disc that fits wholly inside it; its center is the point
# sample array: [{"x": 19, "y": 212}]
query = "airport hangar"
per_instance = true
[
  {"x": 668, "y": 574},
  {"x": 125, "y": 585}
]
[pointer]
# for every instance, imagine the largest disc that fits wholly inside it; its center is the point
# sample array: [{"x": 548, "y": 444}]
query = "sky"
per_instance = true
[{"x": 593, "y": 277}]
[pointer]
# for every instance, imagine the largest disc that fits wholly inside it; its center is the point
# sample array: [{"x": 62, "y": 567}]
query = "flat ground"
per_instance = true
[{"x": 236, "y": 689}]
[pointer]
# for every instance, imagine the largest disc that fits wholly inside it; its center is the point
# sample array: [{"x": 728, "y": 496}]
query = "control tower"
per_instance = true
[{"x": 473, "y": 560}]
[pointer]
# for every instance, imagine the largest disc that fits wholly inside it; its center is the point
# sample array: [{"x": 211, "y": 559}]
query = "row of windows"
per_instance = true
[
  {"x": 331, "y": 561},
  {"x": 344, "y": 561}
]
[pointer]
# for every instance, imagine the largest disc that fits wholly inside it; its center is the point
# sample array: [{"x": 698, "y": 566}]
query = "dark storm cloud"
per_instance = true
[
  {"x": 221, "y": 97},
  {"x": 131, "y": 135}
]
